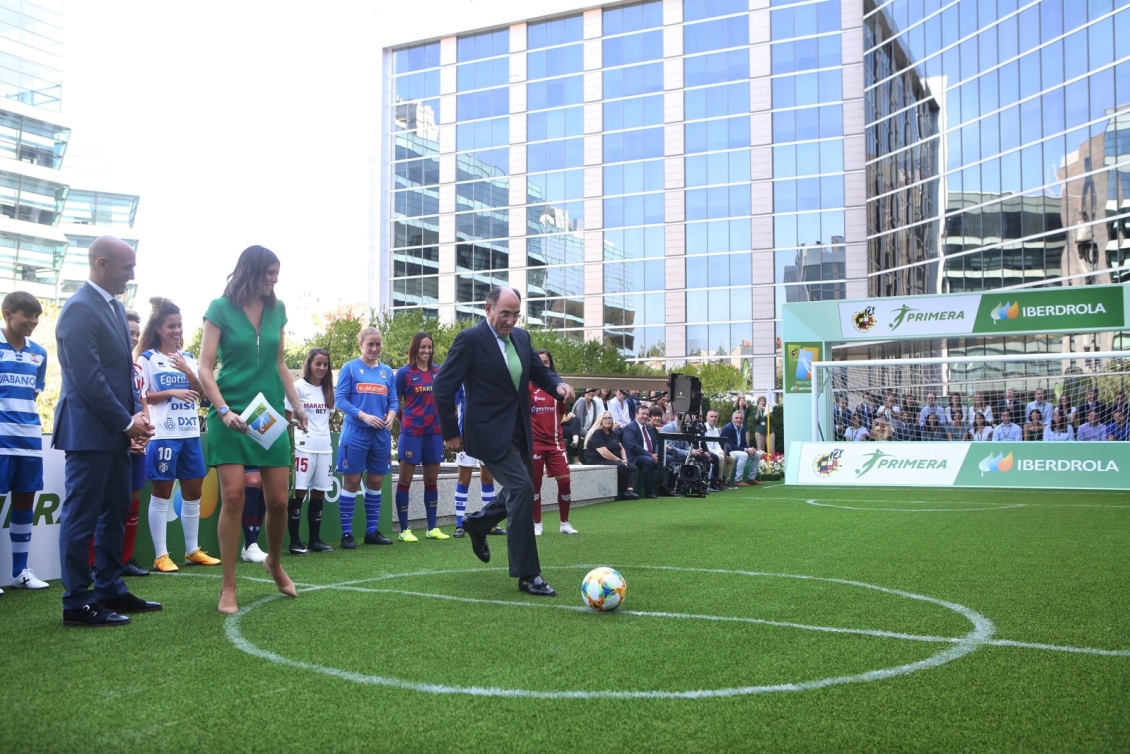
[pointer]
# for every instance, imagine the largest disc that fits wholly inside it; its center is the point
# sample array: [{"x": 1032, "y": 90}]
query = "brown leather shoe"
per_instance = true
[
  {"x": 742, "y": 484},
  {"x": 755, "y": 481}
]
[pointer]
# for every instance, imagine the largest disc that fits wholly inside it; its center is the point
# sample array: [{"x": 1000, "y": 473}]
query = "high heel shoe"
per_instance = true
[
  {"x": 282, "y": 581},
  {"x": 231, "y": 609}
]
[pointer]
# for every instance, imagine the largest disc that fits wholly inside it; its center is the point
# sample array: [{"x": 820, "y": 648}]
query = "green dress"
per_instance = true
[{"x": 248, "y": 366}]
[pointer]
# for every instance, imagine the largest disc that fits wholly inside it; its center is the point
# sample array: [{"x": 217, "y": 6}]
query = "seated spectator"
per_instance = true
[
  {"x": 618, "y": 407},
  {"x": 980, "y": 407},
  {"x": 979, "y": 431},
  {"x": 867, "y": 410},
  {"x": 957, "y": 426},
  {"x": 881, "y": 430},
  {"x": 603, "y": 448},
  {"x": 909, "y": 408},
  {"x": 1034, "y": 429},
  {"x": 642, "y": 446},
  {"x": 931, "y": 407},
  {"x": 908, "y": 429},
  {"x": 1010, "y": 403},
  {"x": 1093, "y": 429},
  {"x": 932, "y": 430},
  {"x": 890, "y": 411},
  {"x": 1119, "y": 429},
  {"x": 746, "y": 459},
  {"x": 841, "y": 417},
  {"x": 1092, "y": 404},
  {"x": 1118, "y": 405},
  {"x": 1006, "y": 431},
  {"x": 725, "y": 461},
  {"x": 1040, "y": 405},
  {"x": 857, "y": 432},
  {"x": 1068, "y": 410},
  {"x": 1059, "y": 430},
  {"x": 954, "y": 405}
]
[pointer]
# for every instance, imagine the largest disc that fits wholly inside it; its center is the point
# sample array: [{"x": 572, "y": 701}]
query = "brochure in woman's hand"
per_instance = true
[{"x": 264, "y": 423}]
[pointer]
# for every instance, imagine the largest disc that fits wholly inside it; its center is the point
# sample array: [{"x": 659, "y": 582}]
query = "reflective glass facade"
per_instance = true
[{"x": 665, "y": 175}]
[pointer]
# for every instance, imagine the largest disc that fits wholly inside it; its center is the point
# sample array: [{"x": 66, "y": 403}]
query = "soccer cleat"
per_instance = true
[
  {"x": 297, "y": 548},
  {"x": 27, "y": 580},
  {"x": 348, "y": 542},
  {"x": 199, "y": 557},
  {"x": 376, "y": 538},
  {"x": 252, "y": 554},
  {"x": 537, "y": 529},
  {"x": 459, "y": 532},
  {"x": 165, "y": 564},
  {"x": 408, "y": 536},
  {"x": 436, "y": 533},
  {"x": 317, "y": 545},
  {"x": 567, "y": 528}
]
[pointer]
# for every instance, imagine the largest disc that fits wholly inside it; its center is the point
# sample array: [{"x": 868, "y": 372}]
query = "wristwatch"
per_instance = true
[{"x": 223, "y": 410}]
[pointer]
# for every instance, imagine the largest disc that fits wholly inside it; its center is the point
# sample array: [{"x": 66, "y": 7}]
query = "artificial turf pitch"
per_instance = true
[{"x": 769, "y": 619}]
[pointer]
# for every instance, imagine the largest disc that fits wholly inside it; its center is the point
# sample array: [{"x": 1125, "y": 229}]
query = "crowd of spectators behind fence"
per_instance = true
[{"x": 1008, "y": 418}]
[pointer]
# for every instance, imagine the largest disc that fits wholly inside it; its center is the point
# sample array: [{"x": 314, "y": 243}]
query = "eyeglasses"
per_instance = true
[{"x": 503, "y": 314}]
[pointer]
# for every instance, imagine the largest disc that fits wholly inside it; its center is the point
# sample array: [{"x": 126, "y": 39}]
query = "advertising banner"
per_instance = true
[
  {"x": 1072, "y": 309},
  {"x": 798, "y": 366},
  {"x": 1035, "y": 465}
]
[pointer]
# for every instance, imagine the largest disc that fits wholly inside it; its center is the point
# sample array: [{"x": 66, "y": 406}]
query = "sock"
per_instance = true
[
  {"x": 158, "y": 518},
  {"x": 20, "y": 533},
  {"x": 564, "y": 497},
  {"x": 460, "y": 503},
  {"x": 190, "y": 522},
  {"x": 372, "y": 510},
  {"x": 314, "y": 519},
  {"x": 347, "y": 501},
  {"x": 402, "y": 505},
  {"x": 131, "y": 527},
  {"x": 294, "y": 519},
  {"x": 488, "y": 494},
  {"x": 252, "y": 515},
  {"x": 431, "y": 500}
]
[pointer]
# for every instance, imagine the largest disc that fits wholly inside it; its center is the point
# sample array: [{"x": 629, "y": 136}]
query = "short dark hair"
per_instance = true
[
  {"x": 655, "y": 411},
  {"x": 22, "y": 301}
]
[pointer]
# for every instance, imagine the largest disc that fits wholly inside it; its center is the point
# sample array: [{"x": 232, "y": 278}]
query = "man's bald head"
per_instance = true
[{"x": 112, "y": 262}]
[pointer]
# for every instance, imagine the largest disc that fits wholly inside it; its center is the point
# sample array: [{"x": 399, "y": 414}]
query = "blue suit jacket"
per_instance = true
[
  {"x": 633, "y": 439},
  {"x": 736, "y": 438},
  {"x": 99, "y": 395},
  {"x": 494, "y": 411}
]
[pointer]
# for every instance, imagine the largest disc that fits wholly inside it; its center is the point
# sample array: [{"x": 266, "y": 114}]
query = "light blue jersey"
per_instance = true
[
  {"x": 22, "y": 376},
  {"x": 371, "y": 389}
]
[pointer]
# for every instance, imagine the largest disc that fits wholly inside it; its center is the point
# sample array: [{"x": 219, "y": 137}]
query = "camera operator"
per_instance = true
[{"x": 685, "y": 452}]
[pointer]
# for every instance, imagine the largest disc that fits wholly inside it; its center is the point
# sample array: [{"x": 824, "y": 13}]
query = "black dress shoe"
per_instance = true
[
  {"x": 479, "y": 544},
  {"x": 629, "y": 496},
  {"x": 497, "y": 531},
  {"x": 376, "y": 538},
  {"x": 128, "y": 603},
  {"x": 317, "y": 545},
  {"x": 133, "y": 569},
  {"x": 652, "y": 496},
  {"x": 536, "y": 586},
  {"x": 93, "y": 616}
]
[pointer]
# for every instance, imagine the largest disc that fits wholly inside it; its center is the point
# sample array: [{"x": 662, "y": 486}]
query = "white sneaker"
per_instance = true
[
  {"x": 253, "y": 554},
  {"x": 567, "y": 528},
  {"x": 27, "y": 580},
  {"x": 537, "y": 530}
]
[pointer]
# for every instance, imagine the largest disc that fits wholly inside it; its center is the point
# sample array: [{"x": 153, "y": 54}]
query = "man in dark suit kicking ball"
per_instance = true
[
  {"x": 494, "y": 362},
  {"x": 99, "y": 412}
]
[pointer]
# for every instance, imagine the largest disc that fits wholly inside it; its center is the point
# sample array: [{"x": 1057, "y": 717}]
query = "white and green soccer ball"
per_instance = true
[{"x": 603, "y": 589}]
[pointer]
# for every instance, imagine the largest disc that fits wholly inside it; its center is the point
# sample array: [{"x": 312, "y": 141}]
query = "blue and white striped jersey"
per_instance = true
[{"x": 22, "y": 376}]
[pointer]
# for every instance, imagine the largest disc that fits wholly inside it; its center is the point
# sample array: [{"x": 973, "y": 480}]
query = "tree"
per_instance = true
[
  {"x": 340, "y": 339},
  {"x": 576, "y": 356},
  {"x": 720, "y": 382}
]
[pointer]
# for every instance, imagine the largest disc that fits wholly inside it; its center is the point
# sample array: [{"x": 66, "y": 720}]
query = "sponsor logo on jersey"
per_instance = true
[
  {"x": 372, "y": 388},
  {"x": 20, "y": 380}
]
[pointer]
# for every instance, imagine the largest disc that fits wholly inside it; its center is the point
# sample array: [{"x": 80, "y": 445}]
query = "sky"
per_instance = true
[{"x": 247, "y": 122}]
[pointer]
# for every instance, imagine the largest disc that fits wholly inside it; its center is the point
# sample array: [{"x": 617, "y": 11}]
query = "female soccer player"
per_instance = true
[
  {"x": 172, "y": 390},
  {"x": 420, "y": 439},
  {"x": 366, "y": 394},
  {"x": 549, "y": 450},
  {"x": 313, "y": 452}
]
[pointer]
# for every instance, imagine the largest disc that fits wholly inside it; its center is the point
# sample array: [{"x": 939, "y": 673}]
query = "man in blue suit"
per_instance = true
[
  {"x": 495, "y": 363},
  {"x": 99, "y": 412},
  {"x": 641, "y": 443},
  {"x": 746, "y": 458}
]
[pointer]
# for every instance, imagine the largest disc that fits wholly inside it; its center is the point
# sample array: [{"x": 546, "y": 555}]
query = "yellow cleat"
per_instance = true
[
  {"x": 199, "y": 557},
  {"x": 165, "y": 564},
  {"x": 408, "y": 536},
  {"x": 436, "y": 533}
]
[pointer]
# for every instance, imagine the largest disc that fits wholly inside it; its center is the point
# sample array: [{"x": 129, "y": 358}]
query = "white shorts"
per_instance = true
[
  {"x": 462, "y": 459},
  {"x": 312, "y": 471}
]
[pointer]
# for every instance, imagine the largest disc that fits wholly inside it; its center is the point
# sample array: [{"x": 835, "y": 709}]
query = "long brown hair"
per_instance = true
[
  {"x": 414, "y": 349},
  {"x": 245, "y": 279},
  {"x": 327, "y": 383},
  {"x": 162, "y": 309}
]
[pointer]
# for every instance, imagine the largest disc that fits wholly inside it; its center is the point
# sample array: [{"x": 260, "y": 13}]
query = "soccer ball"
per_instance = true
[{"x": 603, "y": 589}]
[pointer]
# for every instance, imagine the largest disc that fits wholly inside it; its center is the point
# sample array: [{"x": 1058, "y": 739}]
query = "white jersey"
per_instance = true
[
  {"x": 316, "y": 438},
  {"x": 172, "y": 419}
]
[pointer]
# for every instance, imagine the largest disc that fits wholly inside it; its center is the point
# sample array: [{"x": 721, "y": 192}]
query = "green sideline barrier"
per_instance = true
[{"x": 1011, "y": 465}]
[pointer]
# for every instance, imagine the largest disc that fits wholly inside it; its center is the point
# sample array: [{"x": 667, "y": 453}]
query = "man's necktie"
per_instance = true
[
  {"x": 513, "y": 363},
  {"x": 647, "y": 439}
]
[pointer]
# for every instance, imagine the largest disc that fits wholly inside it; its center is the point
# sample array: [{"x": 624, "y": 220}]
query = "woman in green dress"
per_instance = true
[
  {"x": 243, "y": 333},
  {"x": 760, "y": 423}
]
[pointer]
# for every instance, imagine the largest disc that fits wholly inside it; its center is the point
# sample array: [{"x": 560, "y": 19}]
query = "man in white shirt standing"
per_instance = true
[
  {"x": 931, "y": 407},
  {"x": 1006, "y": 430},
  {"x": 1040, "y": 405}
]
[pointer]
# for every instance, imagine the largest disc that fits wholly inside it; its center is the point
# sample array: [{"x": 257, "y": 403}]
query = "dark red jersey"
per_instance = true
[{"x": 545, "y": 416}]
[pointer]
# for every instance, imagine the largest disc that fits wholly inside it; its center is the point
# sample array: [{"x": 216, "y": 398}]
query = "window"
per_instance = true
[
  {"x": 416, "y": 58},
  {"x": 555, "y": 124},
  {"x": 555, "y": 92},
  {"x": 715, "y": 35},
  {"x": 486, "y": 45},
  {"x": 716, "y": 168},
  {"x": 632, "y": 18},
  {"x": 482, "y": 133},
  {"x": 554, "y": 155},
  {"x": 555, "y": 32},
  {"x": 629, "y": 277},
  {"x": 640, "y": 79},
  {"x": 634, "y": 177},
  {"x": 633, "y": 113},
  {"x": 694, "y": 10},
  {"x": 633, "y": 145},
  {"x": 639, "y": 209},
  {"x": 558, "y": 61},
  {"x": 634, "y": 243},
  {"x": 712, "y": 135},
  {"x": 717, "y": 236},
  {"x": 716, "y": 101},
  {"x": 633, "y": 48},
  {"x": 483, "y": 104},
  {"x": 482, "y": 74},
  {"x": 716, "y": 202},
  {"x": 417, "y": 85},
  {"x": 715, "y": 68}
]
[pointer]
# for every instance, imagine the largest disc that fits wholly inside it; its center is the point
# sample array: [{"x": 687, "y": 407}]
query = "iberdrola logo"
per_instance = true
[
  {"x": 998, "y": 463},
  {"x": 1005, "y": 311}
]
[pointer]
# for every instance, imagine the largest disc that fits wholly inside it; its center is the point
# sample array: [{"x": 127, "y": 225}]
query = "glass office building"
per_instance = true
[{"x": 665, "y": 175}]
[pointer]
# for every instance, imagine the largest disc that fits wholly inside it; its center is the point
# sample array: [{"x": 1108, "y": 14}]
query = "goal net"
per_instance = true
[{"x": 897, "y": 390}]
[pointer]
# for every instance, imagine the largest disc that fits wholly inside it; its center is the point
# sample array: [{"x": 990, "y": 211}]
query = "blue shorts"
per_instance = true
[
  {"x": 166, "y": 460},
  {"x": 139, "y": 477},
  {"x": 420, "y": 449},
  {"x": 21, "y": 474},
  {"x": 363, "y": 449}
]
